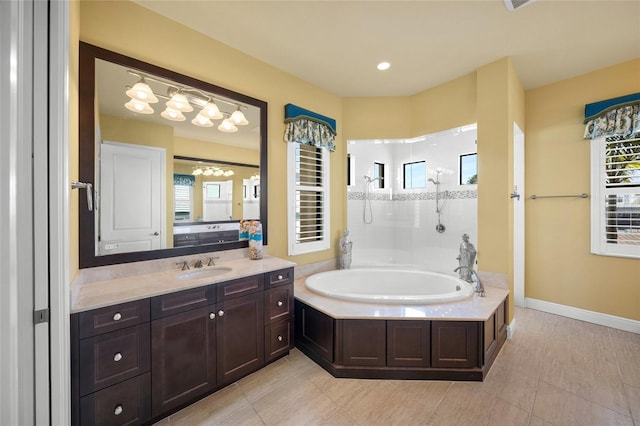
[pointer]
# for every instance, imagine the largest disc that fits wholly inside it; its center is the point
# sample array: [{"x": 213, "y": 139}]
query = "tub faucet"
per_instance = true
[{"x": 479, "y": 286}]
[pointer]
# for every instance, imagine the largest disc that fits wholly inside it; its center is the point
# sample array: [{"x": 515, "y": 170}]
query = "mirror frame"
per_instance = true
[{"x": 86, "y": 156}]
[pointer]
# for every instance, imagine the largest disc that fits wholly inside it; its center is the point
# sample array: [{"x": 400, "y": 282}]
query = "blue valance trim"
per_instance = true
[
  {"x": 617, "y": 117},
  {"x": 292, "y": 111},
  {"x": 595, "y": 109},
  {"x": 184, "y": 180},
  {"x": 309, "y": 128}
]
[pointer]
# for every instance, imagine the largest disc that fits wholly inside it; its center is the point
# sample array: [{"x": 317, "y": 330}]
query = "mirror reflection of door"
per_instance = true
[
  {"x": 216, "y": 200},
  {"x": 251, "y": 199},
  {"x": 132, "y": 214}
]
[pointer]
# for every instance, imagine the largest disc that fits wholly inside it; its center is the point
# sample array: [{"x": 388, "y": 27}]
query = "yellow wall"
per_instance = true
[{"x": 559, "y": 266}]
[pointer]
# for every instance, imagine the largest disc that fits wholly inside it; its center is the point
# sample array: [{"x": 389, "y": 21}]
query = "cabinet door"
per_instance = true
[
  {"x": 183, "y": 364},
  {"x": 455, "y": 344},
  {"x": 408, "y": 343},
  {"x": 364, "y": 342},
  {"x": 240, "y": 336}
]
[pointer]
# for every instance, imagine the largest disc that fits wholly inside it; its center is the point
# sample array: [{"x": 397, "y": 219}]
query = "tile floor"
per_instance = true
[{"x": 555, "y": 371}]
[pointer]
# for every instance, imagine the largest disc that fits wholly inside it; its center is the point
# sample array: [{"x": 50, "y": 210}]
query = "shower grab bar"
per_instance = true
[{"x": 583, "y": 195}]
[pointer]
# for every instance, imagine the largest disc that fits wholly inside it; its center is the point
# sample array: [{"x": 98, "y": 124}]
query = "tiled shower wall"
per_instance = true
[{"x": 403, "y": 229}]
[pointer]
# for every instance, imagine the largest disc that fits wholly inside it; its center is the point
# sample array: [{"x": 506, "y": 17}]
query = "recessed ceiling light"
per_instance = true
[{"x": 383, "y": 66}]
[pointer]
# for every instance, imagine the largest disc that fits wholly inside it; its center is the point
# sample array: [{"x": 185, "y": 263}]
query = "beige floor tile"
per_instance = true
[
  {"x": 633, "y": 397},
  {"x": 599, "y": 383},
  {"x": 524, "y": 358},
  {"x": 511, "y": 385},
  {"x": 342, "y": 390},
  {"x": 218, "y": 408},
  {"x": 504, "y": 413},
  {"x": 339, "y": 418},
  {"x": 310, "y": 409},
  {"x": 560, "y": 407},
  {"x": 464, "y": 404},
  {"x": 266, "y": 380},
  {"x": 163, "y": 422},
  {"x": 537, "y": 421}
]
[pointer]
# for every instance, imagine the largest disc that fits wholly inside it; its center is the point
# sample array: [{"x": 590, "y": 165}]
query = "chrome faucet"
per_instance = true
[
  {"x": 479, "y": 286},
  {"x": 184, "y": 265},
  {"x": 211, "y": 261},
  {"x": 198, "y": 264}
]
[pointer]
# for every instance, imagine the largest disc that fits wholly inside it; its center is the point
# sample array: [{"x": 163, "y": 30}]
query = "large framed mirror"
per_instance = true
[{"x": 173, "y": 166}]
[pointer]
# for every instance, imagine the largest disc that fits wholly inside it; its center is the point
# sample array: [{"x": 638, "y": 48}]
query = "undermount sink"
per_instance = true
[{"x": 206, "y": 272}]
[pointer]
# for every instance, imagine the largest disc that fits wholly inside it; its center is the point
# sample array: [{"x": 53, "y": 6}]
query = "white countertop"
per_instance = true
[
  {"x": 473, "y": 308},
  {"x": 106, "y": 292}
]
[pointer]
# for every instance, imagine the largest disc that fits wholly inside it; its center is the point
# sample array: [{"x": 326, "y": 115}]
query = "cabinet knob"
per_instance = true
[
  {"x": 220, "y": 313},
  {"x": 118, "y": 410},
  {"x": 117, "y": 357},
  {"x": 279, "y": 303},
  {"x": 117, "y": 316},
  {"x": 280, "y": 277},
  {"x": 212, "y": 315},
  {"x": 279, "y": 338}
]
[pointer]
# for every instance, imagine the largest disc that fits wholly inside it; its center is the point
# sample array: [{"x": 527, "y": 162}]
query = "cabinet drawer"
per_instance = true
[
  {"x": 240, "y": 287},
  {"x": 278, "y": 303},
  {"x": 281, "y": 277},
  {"x": 277, "y": 339},
  {"x": 185, "y": 240},
  {"x": 126, "y": 403},
  {"x": 111, "y": 318},
  {"x": 110, "y": 358},
  {"x": 181, "y": 301}
]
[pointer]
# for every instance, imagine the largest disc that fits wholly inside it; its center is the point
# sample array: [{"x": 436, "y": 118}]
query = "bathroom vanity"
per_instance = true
[{"x": 171, "y": 341}]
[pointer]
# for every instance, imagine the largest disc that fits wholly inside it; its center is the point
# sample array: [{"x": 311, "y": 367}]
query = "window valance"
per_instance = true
[
  {"x": 613, "y": 117},
  {"x": 184, "y": 180},
  {"x": 309, "y": 128}
]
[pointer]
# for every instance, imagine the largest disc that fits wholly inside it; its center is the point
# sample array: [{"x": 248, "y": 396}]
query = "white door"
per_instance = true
[
  {"x": 518, "y": 216},
  {"x": 132, "y": 191},
  {"x": 216, "y": 200}
]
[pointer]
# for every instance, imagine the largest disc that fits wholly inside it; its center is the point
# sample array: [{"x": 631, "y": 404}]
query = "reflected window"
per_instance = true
[{"x": 378, "y": 175}]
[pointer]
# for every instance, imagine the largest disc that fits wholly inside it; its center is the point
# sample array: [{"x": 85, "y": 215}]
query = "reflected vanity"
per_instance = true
[{"x": 183, "y": 185}]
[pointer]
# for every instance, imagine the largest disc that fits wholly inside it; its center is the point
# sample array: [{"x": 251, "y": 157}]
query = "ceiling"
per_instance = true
[{"x": 336, "y": 45}]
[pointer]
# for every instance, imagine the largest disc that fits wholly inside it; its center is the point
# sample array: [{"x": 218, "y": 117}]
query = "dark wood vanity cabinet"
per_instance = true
[{"x": 173, "y": 349}]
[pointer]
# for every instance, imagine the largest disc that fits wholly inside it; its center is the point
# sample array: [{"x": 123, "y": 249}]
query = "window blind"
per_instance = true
[
  {"x": 309, "y": 194},
  {"x": 621, "y": 191},
  {"x": 182, "y": 199}
]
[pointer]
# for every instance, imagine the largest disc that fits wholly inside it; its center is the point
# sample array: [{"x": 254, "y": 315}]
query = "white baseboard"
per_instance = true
[
  {"x": 607, "y": 320},
  {"x": 511, "y": 328}
]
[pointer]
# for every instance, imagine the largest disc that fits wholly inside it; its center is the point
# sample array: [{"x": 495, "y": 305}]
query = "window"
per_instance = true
[
  {"x": 615, "y": 197},
  {"x": 378, "y": 174},
  {"x": 414, "y": 175},
  {"x": 182, "y": 196},
  {"x": 350, "y": 171},
  {"x": 468, "y": 169},
  {"x": 212, "y": 190},
  {"x": 308, "y": 184}
]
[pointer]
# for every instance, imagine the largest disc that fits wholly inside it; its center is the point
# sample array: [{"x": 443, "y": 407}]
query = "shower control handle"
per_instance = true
[{"x": 515, "y": 194}]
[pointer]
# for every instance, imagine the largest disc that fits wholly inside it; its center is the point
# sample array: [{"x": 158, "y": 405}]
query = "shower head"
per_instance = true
[{"x": 369, "y": 180}]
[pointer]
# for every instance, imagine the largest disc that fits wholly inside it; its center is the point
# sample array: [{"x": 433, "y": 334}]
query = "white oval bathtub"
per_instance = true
[{"x": 389, "y": 285}]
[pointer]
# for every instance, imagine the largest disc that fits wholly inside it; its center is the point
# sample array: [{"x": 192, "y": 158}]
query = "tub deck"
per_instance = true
[{"x": 449, "y": 341}]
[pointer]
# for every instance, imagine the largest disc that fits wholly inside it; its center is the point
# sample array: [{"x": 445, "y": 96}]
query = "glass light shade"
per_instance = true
[
  {"x": 218, "y": 173},
  {"x": 142, "y": 92},
  {"x": 208, "y": 172},
  {"x": 173, "y": 115},
  {"x": 238, "y": 118},
  {"x": 179, "y": 102},
  {"x": 228, "y": 173},
  {"x": 139, "y": 107},
  {"x": 197, "y": 172},
  {"x": 212, "y": 111},
  {"x": 227, "y": 126},
  {"x": 202, "y": 120}
]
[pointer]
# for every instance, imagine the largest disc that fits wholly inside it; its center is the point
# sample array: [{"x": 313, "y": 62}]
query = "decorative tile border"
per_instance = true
[{"x": 413, "y": 196}]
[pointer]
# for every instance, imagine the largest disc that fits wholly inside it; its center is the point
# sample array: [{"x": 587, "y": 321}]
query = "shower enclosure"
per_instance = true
[{"x": 404, "y": 223}]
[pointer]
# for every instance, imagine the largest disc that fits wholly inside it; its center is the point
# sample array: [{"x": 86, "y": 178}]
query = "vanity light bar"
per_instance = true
[{"x": 179, "y": 100}]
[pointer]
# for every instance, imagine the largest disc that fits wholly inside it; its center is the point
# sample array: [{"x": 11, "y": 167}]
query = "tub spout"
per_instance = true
[{"x": 479, "y": 285}]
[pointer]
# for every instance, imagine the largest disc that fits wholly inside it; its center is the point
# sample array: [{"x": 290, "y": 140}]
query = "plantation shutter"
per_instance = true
[
  {"x": 310, "y": 194},
  {"x": 182, "y": 200},
  {"x": 621, "y": 188}
]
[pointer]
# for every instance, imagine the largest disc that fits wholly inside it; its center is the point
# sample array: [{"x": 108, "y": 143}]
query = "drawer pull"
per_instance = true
[
  {"x": 279, "y": 338},
  {"x": 220, "y": 313},
  {"x": 212, "y": 315},
  {"x": 117, "y": 316},
  {"x": 118, "y": 410},
  {"x": 279, "y": 303},
  {"x": 117, "y": 357},
  {"x": 280, "y": 277}
]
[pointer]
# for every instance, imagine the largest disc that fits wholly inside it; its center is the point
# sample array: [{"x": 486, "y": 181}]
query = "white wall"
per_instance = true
[{"x": 403, "y": 230}]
